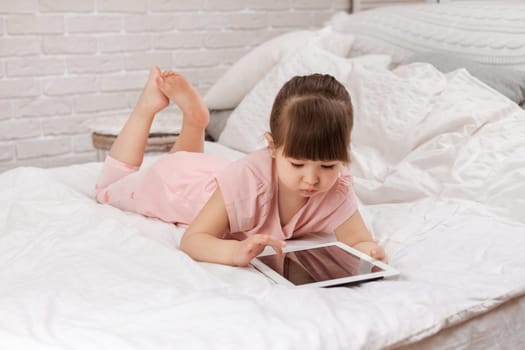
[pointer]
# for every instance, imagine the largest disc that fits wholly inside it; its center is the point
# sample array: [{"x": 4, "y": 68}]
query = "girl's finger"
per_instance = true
[
  {"x": 277, "y": 245},
  {"x": 378, "y": 253}
]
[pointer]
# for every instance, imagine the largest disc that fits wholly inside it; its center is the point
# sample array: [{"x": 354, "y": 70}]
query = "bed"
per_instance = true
[{"x": 438, "y": 158}]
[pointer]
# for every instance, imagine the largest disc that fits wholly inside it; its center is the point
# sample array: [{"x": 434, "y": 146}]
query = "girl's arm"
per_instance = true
[
  {"x": 202, "y": 239},
  {"x": 354, "y": 233}
]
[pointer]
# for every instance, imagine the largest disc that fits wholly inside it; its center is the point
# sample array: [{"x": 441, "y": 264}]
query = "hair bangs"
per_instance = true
[{"x": 317, "y": 129}]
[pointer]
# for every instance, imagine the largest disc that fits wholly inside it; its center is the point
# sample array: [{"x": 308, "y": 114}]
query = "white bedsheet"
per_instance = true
[{"x": 449, "y": 209}]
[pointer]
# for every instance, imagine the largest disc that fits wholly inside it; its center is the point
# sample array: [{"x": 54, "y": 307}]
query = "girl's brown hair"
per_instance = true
[{"x": 312, "y": 118}]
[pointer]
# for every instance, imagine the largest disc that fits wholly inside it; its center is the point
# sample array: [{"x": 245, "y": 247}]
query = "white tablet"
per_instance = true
[{"x": 323, "y": 265}]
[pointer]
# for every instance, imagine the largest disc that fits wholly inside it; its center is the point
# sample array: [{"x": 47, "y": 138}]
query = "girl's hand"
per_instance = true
[
  {"x": 373, "y": 250},
  {"x": 378, "y": 253},
  {"x": 252, "y": 246}
]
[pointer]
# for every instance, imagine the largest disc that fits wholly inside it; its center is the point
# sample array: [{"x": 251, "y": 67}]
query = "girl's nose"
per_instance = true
[{"x": 311, "y": 178}]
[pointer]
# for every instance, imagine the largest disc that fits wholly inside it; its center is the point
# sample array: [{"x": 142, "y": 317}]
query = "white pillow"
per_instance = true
[
  {"x": 420, "y": 133},
  {"x": 229, "y": 90},
  {"x": 390, "y": 108},
  {"x": 246, "y": 126},
  {"x": 400, "y": 113}
]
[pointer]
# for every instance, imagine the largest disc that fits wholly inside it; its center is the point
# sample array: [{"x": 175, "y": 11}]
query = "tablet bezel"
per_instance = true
[{"x": 386, "y": 270}]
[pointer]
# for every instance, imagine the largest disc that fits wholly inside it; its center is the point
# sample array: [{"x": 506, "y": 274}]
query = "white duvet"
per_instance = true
[{"x": 439, "y": 165}]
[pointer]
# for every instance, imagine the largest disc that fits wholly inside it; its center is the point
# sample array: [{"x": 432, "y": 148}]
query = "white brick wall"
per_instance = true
[
  {"x": 361, "y": 5},
  {"x": 63, "y": 62}
]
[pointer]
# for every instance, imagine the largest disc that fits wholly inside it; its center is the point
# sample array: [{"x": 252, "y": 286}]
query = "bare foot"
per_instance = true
[
  {"x": 184, "y": 95},
  {"x": 152, "y": 99}
]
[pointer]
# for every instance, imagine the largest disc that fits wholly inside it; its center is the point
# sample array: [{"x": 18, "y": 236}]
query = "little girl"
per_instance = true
[{"x": 297, "y": 185}]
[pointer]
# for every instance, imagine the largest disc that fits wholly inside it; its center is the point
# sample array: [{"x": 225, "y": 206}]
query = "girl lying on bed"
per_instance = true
[{"x": 297, "y": 185}]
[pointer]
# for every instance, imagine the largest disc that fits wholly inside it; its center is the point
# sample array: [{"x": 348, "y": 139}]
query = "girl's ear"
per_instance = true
[{"x": 269, "y": 141}]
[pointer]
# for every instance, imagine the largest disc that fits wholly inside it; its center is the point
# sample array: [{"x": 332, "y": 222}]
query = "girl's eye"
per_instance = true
[
  {"x": 297, "y": 165},
  {"x": 328, "y": 166}
]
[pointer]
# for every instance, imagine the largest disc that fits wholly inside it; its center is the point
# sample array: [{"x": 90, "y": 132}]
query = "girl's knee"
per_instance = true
[{"x": 101, "y": 195}]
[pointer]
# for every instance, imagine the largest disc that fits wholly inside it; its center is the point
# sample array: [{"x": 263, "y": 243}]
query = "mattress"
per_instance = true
[{"x": 76, "y": 274}]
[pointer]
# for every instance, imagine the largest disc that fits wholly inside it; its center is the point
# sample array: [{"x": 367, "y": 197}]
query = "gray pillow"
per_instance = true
[
  {"x": 509, "y": 82},
  {"x": 218, "y": 119}
]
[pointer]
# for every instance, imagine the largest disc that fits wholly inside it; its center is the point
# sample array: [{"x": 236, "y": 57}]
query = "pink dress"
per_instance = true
[{"x": 177, "y": 186}]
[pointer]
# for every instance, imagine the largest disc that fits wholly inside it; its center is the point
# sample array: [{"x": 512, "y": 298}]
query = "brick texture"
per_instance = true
[{"x": 65, "y": 62}]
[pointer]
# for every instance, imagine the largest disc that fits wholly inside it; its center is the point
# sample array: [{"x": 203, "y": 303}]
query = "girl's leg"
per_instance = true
[
  {"x": 130, "y": 144},
  {"x": 195, "y": 115},
  {"x": 117, "y": 184}
]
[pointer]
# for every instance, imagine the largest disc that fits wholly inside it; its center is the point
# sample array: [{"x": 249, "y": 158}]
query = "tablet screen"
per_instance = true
[{"x": 318, "y": 264}]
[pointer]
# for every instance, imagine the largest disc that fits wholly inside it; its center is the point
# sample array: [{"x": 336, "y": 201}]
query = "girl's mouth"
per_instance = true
[{"x": 308, "y": 192}]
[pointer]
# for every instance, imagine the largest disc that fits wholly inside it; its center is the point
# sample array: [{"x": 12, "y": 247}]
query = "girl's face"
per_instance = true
[{"x": 306, "y": 177}]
